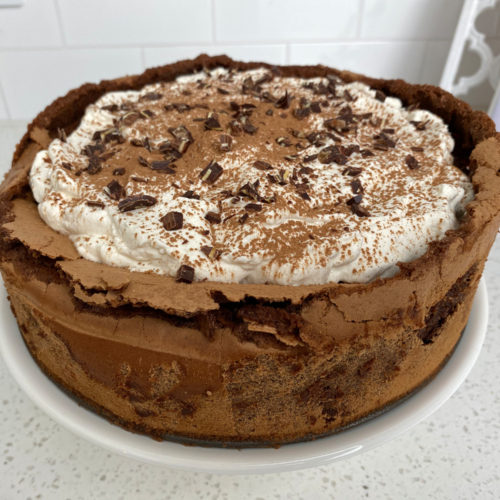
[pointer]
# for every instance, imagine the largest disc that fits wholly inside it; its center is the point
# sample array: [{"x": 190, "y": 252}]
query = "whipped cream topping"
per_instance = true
[{"x": 251, "y": 177}]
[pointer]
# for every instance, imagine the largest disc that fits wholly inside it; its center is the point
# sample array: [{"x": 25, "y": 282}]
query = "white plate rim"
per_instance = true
[{"x": 365, "y": 436}]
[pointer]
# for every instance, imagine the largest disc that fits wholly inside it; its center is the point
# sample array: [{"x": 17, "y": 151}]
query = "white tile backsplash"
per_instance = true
[
  {"x": 274, "y": 54},
  {"x": 32, "y": 25},
  {"x": 383, "y": 59},
  {"x": 410, "y": 19},
  {"x": 49, "y": 46},
  {"x": 33, "y": 79},
  {"x": 140, "y": 22},
  {"x": 264, "y": 20}
]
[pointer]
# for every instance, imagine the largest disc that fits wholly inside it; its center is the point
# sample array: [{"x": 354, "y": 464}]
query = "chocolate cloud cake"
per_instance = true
[{"x": 241, "y": 254}]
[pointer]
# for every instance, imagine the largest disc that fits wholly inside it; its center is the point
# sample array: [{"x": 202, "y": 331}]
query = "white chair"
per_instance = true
[{"x": 489, "y": 67}]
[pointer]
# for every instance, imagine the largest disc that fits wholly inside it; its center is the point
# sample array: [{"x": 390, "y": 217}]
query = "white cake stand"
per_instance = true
[{"x": 364, "y": 436}]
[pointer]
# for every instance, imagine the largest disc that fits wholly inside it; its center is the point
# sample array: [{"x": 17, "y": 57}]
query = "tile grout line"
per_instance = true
[
  {"x": 60, "y": 23},
  {"x": 322, "y": 41},
  {"x": 3, "y": 97}
]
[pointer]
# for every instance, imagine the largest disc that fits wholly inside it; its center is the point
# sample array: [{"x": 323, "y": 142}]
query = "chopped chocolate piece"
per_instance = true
[
  {"x": 248, "y": 85},
  {"x": 284, "y": 101},
  {"x": 305, "y": 170},
  {"x": 354, "y": 204},
  {"x": 383, "y": 142},
  {"x": 243, "y": 218},
  {"x": 235, "y": 127},
  {"x": 269, "y": 112},
  {"x": 115, "y": 190},
  {"x": 119, "y": 171},
  {"x": 380, "y": 96},
  {"x": 356, "y": 186},
  {"x": 262, "y": 165},
  {"x": 412, "y": 162},
  {"x": 247, "y": 126},
  {"x": 225, "y": 143},
  {"x": 136, "y": 178},
  {"x": 180, "y": 107},
  {"x": 348, "y": 96},
  {"x": 212, "y": 122},
  {"x": 304, "y": 195},
  {"x": 185, "y": 274},
  {"x": 213, "y": 217},
  {"x": 332, "y": 154},
  {"x": 211, "y": 252},
  {"x": 419, "y": 125},
  {"x": 284, "y": 141},
  {"x": 67, "y": 165},
  {"x": 352, "y": 171},
  {"x": 147, "y": 113},
  {"x": 95, "y": 203},
  {"x": 110, "y": 107},
  {"x": 234, "y": 106},
  {"x": 183, "y": 136},
  {"x": 222, "y": 91},
  {"x": 417, "y": 149},
  {"x": 135, "y": 202},
  {"x": 146, "y": 144},
  {"x": 191, "y": 195},
  {"x": 365, "y": 153},
  {"x": 130, "y": 117},
  {"x": 94, "y": 166},
  {"x": 249, "y": 191},
  {"x": 142, "y": 161},
  {"x": 315, "y": 107},
  {"x": 310, "y": 158},
  {"x": 211, "y": 172},
  {"x": 349, "y": 149},
  {"x": 172, "y": 221},
  {"x": 152, "y": 96},
  {"x": 137, "y": 143},
  {"x": 164, "y": 166},
  {"x": 301, "y": 113},
  {"x": 290, "y": 157},
  {"x": 253, "y": 206},
  {"x": 355, "y": 200}
]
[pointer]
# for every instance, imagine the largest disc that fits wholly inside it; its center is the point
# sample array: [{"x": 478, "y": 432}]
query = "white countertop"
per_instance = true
[{"x": 453, "y": 454}]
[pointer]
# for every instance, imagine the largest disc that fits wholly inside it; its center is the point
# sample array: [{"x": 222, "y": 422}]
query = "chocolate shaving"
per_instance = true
[
  {"x": 283, "y": 141},
  {"x": 356, "y": 186},
  {"x": 152, "y": 96},
  {"x": 185, "y": 274},
  {"x": 212, "y": 122},
  {"x": 66, "y": 165},
  {"x": 115, "y": 190},
  {"x": 332, "y": 154},
  {"x": 352, "y": 171},
  {"x": 284, "y": 101},
  {"x": 222, "y": 91},
  {"x": 211, "y": 252},
  {"x": 417, "y": 149},
  {"x": 211, "y": 172},
  {"x": 164, "y": 166},
  {"x": 190, "y": 195},
  {"x": 269, "y": 112},
  {"x": 213, "y": 217},
  {"x": 262, "y": 165},
  {"x": 411, "y": 162},
  {"x": 304, "y": 195},
  {"x": 354, "y": 204},
  {"x": 172, "y": 221},
  {"x": 225, "y": 143},
  {"x": 119, "y": 171},
  {"x": 94, "y": 166},
  {"x": 95, "y": 203},
  {"x": 243, "y": 218},
  {"x": 253, "y": 206},
  {"x": 135, "y": 202},
  {"x": 142, "y": 161}
]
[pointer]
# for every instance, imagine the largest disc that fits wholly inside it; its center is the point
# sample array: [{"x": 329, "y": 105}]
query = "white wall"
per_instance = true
[{"x": 50, "y": 46}]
